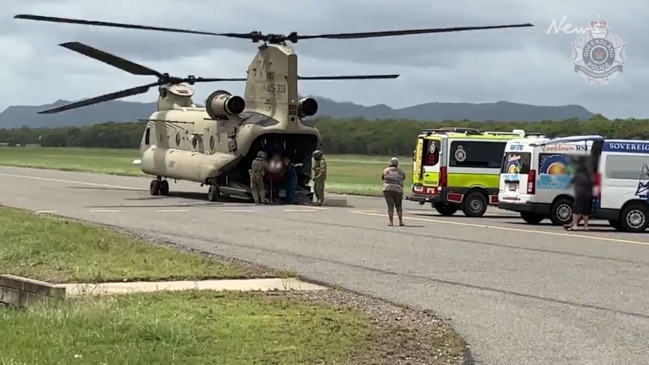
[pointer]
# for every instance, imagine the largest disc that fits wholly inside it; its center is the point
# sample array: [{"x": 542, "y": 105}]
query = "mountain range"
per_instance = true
[{"x": 125, "y": 111}]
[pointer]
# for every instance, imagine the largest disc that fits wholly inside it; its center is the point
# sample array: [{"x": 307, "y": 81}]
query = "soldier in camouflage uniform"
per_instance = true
[
  {"x": 257, "y": 172},
  {"x": 319, "y": 176}
]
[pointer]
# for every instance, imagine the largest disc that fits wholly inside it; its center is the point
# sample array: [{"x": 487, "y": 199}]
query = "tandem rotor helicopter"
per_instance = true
[{"x": 214, "y": 145}]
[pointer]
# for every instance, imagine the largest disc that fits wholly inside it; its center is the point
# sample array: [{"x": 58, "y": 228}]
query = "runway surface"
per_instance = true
[{"x": 519, "y": 294}]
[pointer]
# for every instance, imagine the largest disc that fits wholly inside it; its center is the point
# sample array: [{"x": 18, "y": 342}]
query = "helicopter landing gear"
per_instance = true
[
  {"x": 159, "y": 187},
  {"x": 213, "y": 193}
]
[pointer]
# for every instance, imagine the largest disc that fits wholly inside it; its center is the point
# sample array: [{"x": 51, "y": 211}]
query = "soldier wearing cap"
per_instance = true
[
  {"x": 319, "y": 176},
  {"x": 257, "y": 172}
]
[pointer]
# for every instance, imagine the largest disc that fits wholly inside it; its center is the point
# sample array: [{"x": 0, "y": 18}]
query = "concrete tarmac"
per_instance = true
[{"x": 520, "y": 294}]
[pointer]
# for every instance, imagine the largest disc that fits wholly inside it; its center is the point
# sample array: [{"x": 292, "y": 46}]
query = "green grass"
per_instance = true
[
  {"x": 348, "y": 174},
  {"x": 182, "y": 328},
  {"x": 187, "y": 327},
  {"x": 59, "y": 250}
]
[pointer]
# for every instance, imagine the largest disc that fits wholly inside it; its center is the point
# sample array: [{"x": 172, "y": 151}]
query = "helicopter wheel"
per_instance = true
[
  {"x": 213, "y": 193},
  {"x": 154, "y": 188},
  {"x": 164, "y": 187}
]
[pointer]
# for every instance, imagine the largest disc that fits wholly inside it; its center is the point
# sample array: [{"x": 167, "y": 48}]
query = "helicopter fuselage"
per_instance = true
[{"x": 186, "y": 144}]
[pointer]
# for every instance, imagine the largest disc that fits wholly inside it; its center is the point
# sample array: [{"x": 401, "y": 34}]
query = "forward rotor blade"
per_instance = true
[
  {"x": 53, "y": 19},
  {"x": 201, "y": 79},
  {"x": 390, "y": 33},
  {"x": 100, "y": 99},
  {"x": 115, "y": 61},
  {"x": 350, "y": 77}
]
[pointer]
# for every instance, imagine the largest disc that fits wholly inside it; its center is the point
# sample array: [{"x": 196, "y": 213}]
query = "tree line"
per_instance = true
[{"x": 339, "y": 136}]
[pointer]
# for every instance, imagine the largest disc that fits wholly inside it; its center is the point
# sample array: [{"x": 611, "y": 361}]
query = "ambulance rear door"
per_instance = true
[{"x": 431, "y": 157}]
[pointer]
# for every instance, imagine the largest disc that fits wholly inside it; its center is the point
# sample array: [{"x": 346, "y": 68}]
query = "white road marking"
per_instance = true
[
  {"x": 74, "y": 182},
  {"x": 595, "y": 238},
  {"x": 172, "y": 210},
  {"x": 300, "y": 210},
  {"x": 363, "y": 211},
  {"x": 104, "y": 211},
  {"x": 238, "y": 210},
  {"x": 45, "y": 211}
]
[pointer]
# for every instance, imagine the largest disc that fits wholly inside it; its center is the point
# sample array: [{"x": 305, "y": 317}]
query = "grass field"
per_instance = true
[
  {"x": 182, "y": 328},
  {"x": 190, "y": 327},
  {"x": 348, "y": 174},
  {"x": 59, "y": 250}
]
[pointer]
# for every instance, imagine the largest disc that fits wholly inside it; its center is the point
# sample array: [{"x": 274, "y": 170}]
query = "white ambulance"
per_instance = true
[
  {"x": 621, "y": 184},
  {"x": 535, "y": 179}
]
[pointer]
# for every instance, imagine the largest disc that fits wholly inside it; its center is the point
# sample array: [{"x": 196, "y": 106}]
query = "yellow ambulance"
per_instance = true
[{"x": 459, "y": 168}]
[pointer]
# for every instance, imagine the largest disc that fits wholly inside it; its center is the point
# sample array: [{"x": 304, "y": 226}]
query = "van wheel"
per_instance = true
[
  {"x": 474, "y": 204},
  {"x": 634, "y": 218},
  {"x": 615, "y": 223},
  {"x": 532, "y": 218},
  {"x": 446, "y": 209},
  {"x": 561, "y": 212}
]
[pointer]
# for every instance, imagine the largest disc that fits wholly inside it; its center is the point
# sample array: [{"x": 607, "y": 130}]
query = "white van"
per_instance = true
[
  {"x": 535, "y": 179},
  {"x": 621, "y": 186}
]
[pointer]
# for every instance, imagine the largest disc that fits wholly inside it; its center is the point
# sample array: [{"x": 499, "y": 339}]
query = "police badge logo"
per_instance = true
[
  {"x": 598, "y": 54},
  {"x": 460, "y": 154}
]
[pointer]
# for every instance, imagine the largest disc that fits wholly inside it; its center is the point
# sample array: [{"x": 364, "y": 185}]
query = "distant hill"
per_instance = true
[{"x": 124, "y": 111}]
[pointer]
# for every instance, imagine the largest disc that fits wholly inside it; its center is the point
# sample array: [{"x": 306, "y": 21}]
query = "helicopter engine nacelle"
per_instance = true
[
  {"x": 307, "y": 107},
  {"x": 221, "y": 104}
]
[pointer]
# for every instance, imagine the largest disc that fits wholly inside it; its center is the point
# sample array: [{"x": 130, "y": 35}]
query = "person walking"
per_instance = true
[
  {"x": 257, "y": 172},
  {"x": 319, "y": 176},
  {"x": 583, "y": 204},
  {"x": 393, "y": 178}
]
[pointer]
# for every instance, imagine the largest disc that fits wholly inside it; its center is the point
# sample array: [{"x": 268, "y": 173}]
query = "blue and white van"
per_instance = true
[
  {"x": 535, "y": 179},
  {"x": 621, "y": 181}
]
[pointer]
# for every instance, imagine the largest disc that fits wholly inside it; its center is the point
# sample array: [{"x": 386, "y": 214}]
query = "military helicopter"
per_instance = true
[{"x": 214, "y": 145}]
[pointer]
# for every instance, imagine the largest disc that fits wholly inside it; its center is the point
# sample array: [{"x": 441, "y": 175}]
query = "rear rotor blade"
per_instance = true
[
  {"x": 53, "y": 19},
  {"x": 350, "y": 77},
  {"x": 100, "y": 99},
  {"x": 115, "y": 61},
  {"x": 390, "y": 33}
]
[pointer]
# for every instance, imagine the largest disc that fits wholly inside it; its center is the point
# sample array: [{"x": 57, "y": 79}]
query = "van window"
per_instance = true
[
  {"x": 516, "y": 163},
  {"x": 555, "y": 164},
  {"x": 476, "y": 154},
  {"x": 628, "y": 167},
  {"x": 147, "y": 136},
  {"x": 431, "y": 152}
]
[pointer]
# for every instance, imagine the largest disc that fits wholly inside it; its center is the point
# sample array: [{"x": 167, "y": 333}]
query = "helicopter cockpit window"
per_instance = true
[
  {"x": 178, "y": 139},
  {"x": 212, "y": 143},
  {"x": 194, "y": 142},
  {"x": 147, "y": 136}
]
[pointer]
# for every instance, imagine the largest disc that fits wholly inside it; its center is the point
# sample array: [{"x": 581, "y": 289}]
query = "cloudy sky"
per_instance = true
[{"x": 526, "y": 65}]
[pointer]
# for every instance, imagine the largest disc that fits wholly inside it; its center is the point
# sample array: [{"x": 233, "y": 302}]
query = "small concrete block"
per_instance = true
[{"x": 32, "y": 286}]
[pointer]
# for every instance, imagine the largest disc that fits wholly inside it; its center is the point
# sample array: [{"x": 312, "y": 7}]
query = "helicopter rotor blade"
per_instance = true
[
  {"x": 102, "y": 98},
  {"x": 53, "y": 19},
  {"x": 203, "y": 79},
  {"x": 391, "y": 33},
  {"x": 349, "y": 77},
  {"x": 110, "y": 59},
  {"x": 258, "y": 36}
]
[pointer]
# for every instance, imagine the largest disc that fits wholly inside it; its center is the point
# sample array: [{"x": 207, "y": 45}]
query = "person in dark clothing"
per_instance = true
[
  {"x": 583, "y": 203},
  {"x": 290, "y": 180}
]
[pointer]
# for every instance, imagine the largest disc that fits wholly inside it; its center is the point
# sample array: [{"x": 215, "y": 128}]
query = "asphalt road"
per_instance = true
[{"x": 519, "y": 294}]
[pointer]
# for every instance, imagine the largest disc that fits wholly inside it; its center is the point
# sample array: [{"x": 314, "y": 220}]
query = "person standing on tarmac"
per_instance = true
[
  {"x": 257, "y": 172},
  {"x": 319, "y": 176},
  {"x": 393, "y": 178},
  {"x": 290, "y": 180}
]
